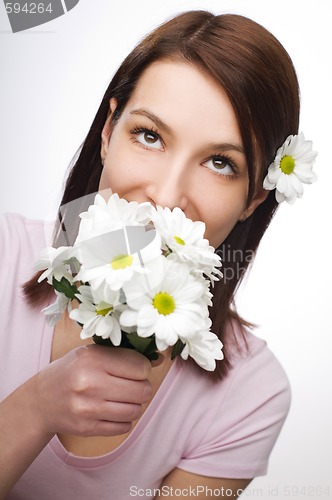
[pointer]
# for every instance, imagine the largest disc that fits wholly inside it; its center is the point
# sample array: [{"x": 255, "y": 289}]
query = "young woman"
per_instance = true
[{"x": 192, "y": 119}]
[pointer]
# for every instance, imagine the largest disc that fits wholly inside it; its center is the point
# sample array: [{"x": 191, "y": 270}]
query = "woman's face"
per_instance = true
[{"x": 177, "y": 143}]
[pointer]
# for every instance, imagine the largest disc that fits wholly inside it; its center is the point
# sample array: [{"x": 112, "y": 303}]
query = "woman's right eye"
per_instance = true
[{"x": 147, "y": 138}]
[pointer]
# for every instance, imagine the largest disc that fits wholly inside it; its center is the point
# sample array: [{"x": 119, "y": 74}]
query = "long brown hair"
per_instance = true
[{"x": 259, "y": 78}]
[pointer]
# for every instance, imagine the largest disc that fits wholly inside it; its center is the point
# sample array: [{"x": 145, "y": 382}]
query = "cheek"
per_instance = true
[
  {"x": 108, "y": 180},
  {"x": 126, "y": 177},
  {"x": 115, "y": 166},
  {"x": 221, "y": 222},
  {"x": 216, "y": 233}
]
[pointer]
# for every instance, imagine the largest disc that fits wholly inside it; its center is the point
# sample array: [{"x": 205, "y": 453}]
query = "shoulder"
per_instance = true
[
  {"x": 257, "y": 382},
  {"x": 15, "y": 228},
  {"x": 21, "y": 241},
  {"x": 252, "y": 360},
  {"x": 241, "y": 415},
  {"x": 258, "y": 387},
  {"x": 254, "y": 368},
  {"x": 21, "y": 235}
]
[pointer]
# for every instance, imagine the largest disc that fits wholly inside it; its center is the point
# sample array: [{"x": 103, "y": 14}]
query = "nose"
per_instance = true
[{"x": 170, "y": 189}]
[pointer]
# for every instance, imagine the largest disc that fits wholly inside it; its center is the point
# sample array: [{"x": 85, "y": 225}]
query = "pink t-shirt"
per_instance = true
[{"x": 224, "y": 429}]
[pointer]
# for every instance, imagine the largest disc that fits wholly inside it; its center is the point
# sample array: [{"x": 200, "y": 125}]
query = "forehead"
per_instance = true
[{"x": 183, "y": 95}]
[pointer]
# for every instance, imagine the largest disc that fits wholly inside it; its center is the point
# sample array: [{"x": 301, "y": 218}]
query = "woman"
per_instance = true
[{"x": 192, "y": 118}]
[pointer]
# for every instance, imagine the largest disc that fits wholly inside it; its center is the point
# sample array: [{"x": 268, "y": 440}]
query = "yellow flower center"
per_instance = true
[
  {"x": 122, "y": 261},
  {"x": 287, "y": 164},
  {"x": 103, "y": 308},
  {"x": 164, "y": 303},
  {"x": 179, "y": 240}
]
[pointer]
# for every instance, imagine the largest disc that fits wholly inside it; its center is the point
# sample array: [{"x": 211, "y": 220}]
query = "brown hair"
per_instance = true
[{"x": 259, "y": 78}]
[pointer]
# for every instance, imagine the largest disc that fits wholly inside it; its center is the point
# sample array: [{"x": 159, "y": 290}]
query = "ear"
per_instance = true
[
  {"x": 107, "y": 130},
  {"x": 258, "y": 198}
]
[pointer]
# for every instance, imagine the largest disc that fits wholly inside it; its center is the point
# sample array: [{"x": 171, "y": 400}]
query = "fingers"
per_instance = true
[
  {"x": 96, "y": 374},
  {"x": 105, "y": 387},
  {"x": 128, "y": 391},
  {"x": 120, "y": 362},
  {"x": 119, "y": 412},
  {"x": 114, "y": 418}
]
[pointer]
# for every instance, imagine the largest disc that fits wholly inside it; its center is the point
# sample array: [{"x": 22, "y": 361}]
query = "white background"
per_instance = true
[{"x": 52, "y": 80}]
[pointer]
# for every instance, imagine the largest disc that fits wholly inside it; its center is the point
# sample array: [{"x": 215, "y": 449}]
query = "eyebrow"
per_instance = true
[
  {"x": 160, "y": 124},
  {"x": 224, "y": 146}
]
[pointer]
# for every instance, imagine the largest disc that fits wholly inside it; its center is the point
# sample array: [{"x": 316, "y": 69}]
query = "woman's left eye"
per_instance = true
[
  {"x": 221, "y": 165},
  {"x": 147, "y": 138}
]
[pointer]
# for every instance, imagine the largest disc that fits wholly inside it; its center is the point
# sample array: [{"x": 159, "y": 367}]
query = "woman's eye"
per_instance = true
[
  {"x": 221, "y": 165},
  {"x": 148, "y": 139}
]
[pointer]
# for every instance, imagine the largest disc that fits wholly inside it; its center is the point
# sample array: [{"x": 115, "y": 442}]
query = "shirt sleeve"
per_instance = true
[
  {"x": 17, "y": 239},
  {"x": 238, "y": 441},
  {"x": 9, "y": 253},
  {"x": 22, "y": 326}
]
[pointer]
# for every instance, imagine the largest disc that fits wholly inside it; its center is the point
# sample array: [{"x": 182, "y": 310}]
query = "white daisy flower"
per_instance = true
[
  {"x": 113, "y": 274},
  {"x": 54, "y": 311},
  {"x": 204, "y": 348},
  {"x": 108, "y": 260},
  {"x": 106, "y": 216},
  {"x": 170, "y": 310},
  {"x": 56, "y": 262},
  {"x": 98, "y": 316},
  {"x": 185, "y": 238},
  {"x": 291, "y": 167}
]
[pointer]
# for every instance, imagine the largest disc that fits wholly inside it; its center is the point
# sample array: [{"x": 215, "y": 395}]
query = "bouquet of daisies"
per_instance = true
[{"x": 139, "y": 277}]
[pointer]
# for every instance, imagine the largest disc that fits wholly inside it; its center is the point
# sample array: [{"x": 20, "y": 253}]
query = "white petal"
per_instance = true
[
  {"x": 274, "y": 174},
  {"x": 291, "y": 198},
  {"x": 268, "y": 185},
  {"x": 280, "y": 197},
  {"x": 282, "y": 184},
  {"x": 128, "y": 318},
  {"x": 296, "y": 184}
]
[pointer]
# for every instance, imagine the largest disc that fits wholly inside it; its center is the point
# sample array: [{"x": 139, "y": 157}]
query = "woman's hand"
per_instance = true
[
  {"x": 90, "y": 391},
  {"x": 93, "y": 391}
]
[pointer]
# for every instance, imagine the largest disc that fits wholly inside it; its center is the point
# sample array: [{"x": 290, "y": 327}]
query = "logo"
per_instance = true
[
  {"x": 121, "y": 248},
  {"x": 123, "y": 242},
  {"x": 23, "y": 15}
]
